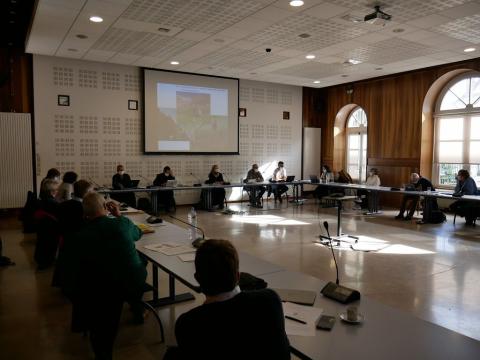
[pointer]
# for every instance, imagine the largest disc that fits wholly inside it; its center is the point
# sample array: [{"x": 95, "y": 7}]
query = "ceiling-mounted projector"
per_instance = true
[{"x": 378, "y": 17}]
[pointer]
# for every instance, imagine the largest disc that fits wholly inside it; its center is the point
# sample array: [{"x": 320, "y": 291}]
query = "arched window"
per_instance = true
[
  {"x": 357, "y": 144},
  {"x": 457, "y": 131}
]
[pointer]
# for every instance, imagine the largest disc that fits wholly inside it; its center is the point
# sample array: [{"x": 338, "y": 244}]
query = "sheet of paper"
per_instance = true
[
  {"x": 309, "y": 314},
  {"x": 170, "y": 248},
  {"x": 187, "y": 257},
  {"x": 130, "y": 211}
]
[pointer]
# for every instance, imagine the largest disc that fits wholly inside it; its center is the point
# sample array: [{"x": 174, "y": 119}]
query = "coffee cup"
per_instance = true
[{"x": 352, "y": 313}]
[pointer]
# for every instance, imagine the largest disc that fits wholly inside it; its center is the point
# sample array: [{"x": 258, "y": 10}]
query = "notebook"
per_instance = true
[
  {"x": 134, "y": 183},
  {"x": 302, "y": 297},
  {"x": 290, "y": 178}
]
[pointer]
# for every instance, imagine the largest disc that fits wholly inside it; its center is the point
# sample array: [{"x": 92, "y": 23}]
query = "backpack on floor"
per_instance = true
[{"x": 437, "y": 217}]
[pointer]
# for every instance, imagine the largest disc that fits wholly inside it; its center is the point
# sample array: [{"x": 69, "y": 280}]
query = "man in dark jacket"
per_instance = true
[
  {"x": 165, "y": 197},
  {"x": 417, "y": 183},
  {"x": 465, "y": 186},
  {"x": 231, "y": 324}
]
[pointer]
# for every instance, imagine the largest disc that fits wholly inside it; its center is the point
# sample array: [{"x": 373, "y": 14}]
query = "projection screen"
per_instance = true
[{"x": 189, "y": 113}]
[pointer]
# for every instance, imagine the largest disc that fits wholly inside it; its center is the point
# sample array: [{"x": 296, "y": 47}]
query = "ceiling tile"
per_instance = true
[
  {"x": 429, "y": 21},
  {"x": 327, "y": 10}
]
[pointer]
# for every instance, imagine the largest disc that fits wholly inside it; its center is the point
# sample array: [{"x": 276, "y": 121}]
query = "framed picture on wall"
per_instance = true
[
  {"x": 132, "y": 105},
  {"x": 242, "y": 112},
  {"x": 63, "y": 100},
  {"x": 286, "y": 115}
]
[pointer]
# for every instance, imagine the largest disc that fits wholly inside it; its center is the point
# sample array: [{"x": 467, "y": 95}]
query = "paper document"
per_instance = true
[
  {"x": 171, "y": 248},
  {"x": 307, "y": 314},
  {"x": 190, "y": 257},
  {"x": 130, "y": 211}
]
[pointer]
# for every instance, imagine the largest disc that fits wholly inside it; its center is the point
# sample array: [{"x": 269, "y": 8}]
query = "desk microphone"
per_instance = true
[
  {"x": 144, "y": 178},
  {"x": 198, "y": 241},
  {"x": 336, "y": 291},
  {"x": 95, "y": 183},
  {"x": 325, "y": 224},
  {"x": 199, "y": 182}
]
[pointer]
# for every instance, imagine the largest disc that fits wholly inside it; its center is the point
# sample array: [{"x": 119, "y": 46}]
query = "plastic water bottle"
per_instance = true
[{"x": 192, "y": 220}]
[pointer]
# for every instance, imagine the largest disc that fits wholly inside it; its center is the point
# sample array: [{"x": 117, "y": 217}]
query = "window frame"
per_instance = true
[
  {"x": 466, "y": 114},
  {"x": 360, "y": 130}
]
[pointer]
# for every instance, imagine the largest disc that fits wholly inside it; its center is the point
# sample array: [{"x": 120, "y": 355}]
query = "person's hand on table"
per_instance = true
[{"x": 113, "y": 208}]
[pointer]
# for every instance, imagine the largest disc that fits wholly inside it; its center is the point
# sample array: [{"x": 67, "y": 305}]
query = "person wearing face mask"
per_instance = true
[
  {"x": 218, "y": 194},
  {"x": 279, "y": 175},
  {"x": 120, "y": 181},
  {"x": 165, "y": 198},
  {"x": 256, "y": 192},
  {"x": 325, "y": 177}
]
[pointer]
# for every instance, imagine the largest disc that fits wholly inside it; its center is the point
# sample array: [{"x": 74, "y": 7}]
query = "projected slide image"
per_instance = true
[
  {"x": 197, "y": 114},
  {"x": 189, "y": 113}
]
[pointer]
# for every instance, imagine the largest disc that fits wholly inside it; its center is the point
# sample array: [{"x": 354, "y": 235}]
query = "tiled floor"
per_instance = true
[{"x": 432, "y": 271}]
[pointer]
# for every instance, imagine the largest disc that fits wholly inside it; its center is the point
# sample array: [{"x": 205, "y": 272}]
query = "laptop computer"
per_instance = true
[
  {"x": 134, "y": 183},
  {"x": 302, "y": 297},
  {"x": 290, "y": 178},
  {"x": 314, "y": 179},
  {"x": 171, "y": 183}
]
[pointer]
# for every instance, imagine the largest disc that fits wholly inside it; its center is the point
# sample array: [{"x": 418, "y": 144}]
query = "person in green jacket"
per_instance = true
[{"x": 103, "y": 270}]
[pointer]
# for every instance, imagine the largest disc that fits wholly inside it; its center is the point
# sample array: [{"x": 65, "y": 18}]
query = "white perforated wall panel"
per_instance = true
[{"x": 97, "y": 131}]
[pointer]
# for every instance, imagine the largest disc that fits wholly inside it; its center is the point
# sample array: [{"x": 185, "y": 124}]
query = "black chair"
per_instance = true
[
  {"x": 48, "y": 238},
  {"x": 97, "y": 304}
]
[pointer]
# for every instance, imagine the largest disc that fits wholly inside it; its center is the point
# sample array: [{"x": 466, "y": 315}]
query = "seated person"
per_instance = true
[
  {"x": 46, "y": 225},
  {"x": 71, "y": 220},
  {"x": 255, "y": 192},
  {"x": 65, "y": 190},
  {"x": 231, "y": 324},
  {"x": 52, "y": 174},
  {"x": 103, "y": 269},
  {"x": 279, "y": 175},
  {"x": 48, "y": 192},
  {"x": 465, "y": 186},
  {"x": 218, "y": 195},
  {"x": 121, "y": 181},
  {"x": 325, "y": 177},
  {"x": 372, "y": 180},
  {"x": 71, "y": 211},
  {"x": 417, "y": 183},
  {"x": 166, "y": 197}
]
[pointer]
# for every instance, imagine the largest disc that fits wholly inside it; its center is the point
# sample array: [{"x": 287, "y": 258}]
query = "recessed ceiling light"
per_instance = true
[
  {"x": 81, "y": 36},
  {"x": 163, "y": 30},
  {"x": 344, "y": 75},
  {"x": 470, "y": 49},
  {"x": 296, "y": 3},
  {"x": 378, "y": 68},
  {"x": 304, "y": 35},
  {"x": 96, "y": 19},
  {"x": 174, "y": 62},
  {"x": 353, "y": 61},
  {"x": 310, "y": 57},
  {"x": 399, "y": 30},
  {"x": 72, "y": 50},
  {"x": 316, "y": 82}
]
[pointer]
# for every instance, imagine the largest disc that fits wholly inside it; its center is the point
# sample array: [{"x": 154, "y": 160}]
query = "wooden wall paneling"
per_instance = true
[{"x": 394, "y": 106}]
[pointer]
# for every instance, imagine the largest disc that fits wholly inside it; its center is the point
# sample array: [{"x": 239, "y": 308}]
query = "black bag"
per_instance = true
[
  {"x": 249, "y": 282},
  {"x": 437, "y": 217}
]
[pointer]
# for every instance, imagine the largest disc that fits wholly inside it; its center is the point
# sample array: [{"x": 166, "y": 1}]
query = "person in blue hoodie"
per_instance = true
[{"x": 465, "y": 186}]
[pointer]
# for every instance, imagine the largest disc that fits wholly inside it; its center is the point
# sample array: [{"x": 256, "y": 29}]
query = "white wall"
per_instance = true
[{"x": 97, "y": 131}]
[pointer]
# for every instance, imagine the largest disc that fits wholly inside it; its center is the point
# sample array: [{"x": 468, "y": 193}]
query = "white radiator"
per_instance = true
[{"x": 16, "y": 174}]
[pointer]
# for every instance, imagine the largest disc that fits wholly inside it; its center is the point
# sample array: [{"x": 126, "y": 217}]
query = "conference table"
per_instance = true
[
  {"x": 153, "y": 190},
  {"x": 183, "y": 271},
  {"x": 386, "y": 333}
]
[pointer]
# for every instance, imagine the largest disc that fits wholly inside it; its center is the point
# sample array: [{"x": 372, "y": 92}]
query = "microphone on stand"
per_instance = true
[
  {"x": 144, "y": 178},
  {"x": 325, "y": 224},
  {"x": 95, "y": 183},
  {"x": 334, "y": 290},
  {"x": 199, "y": 182},
  {"x": 195, "y": 227}
]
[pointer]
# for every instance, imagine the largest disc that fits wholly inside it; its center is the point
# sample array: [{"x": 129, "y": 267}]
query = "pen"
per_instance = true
[{"x": 294, "y": 319}]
